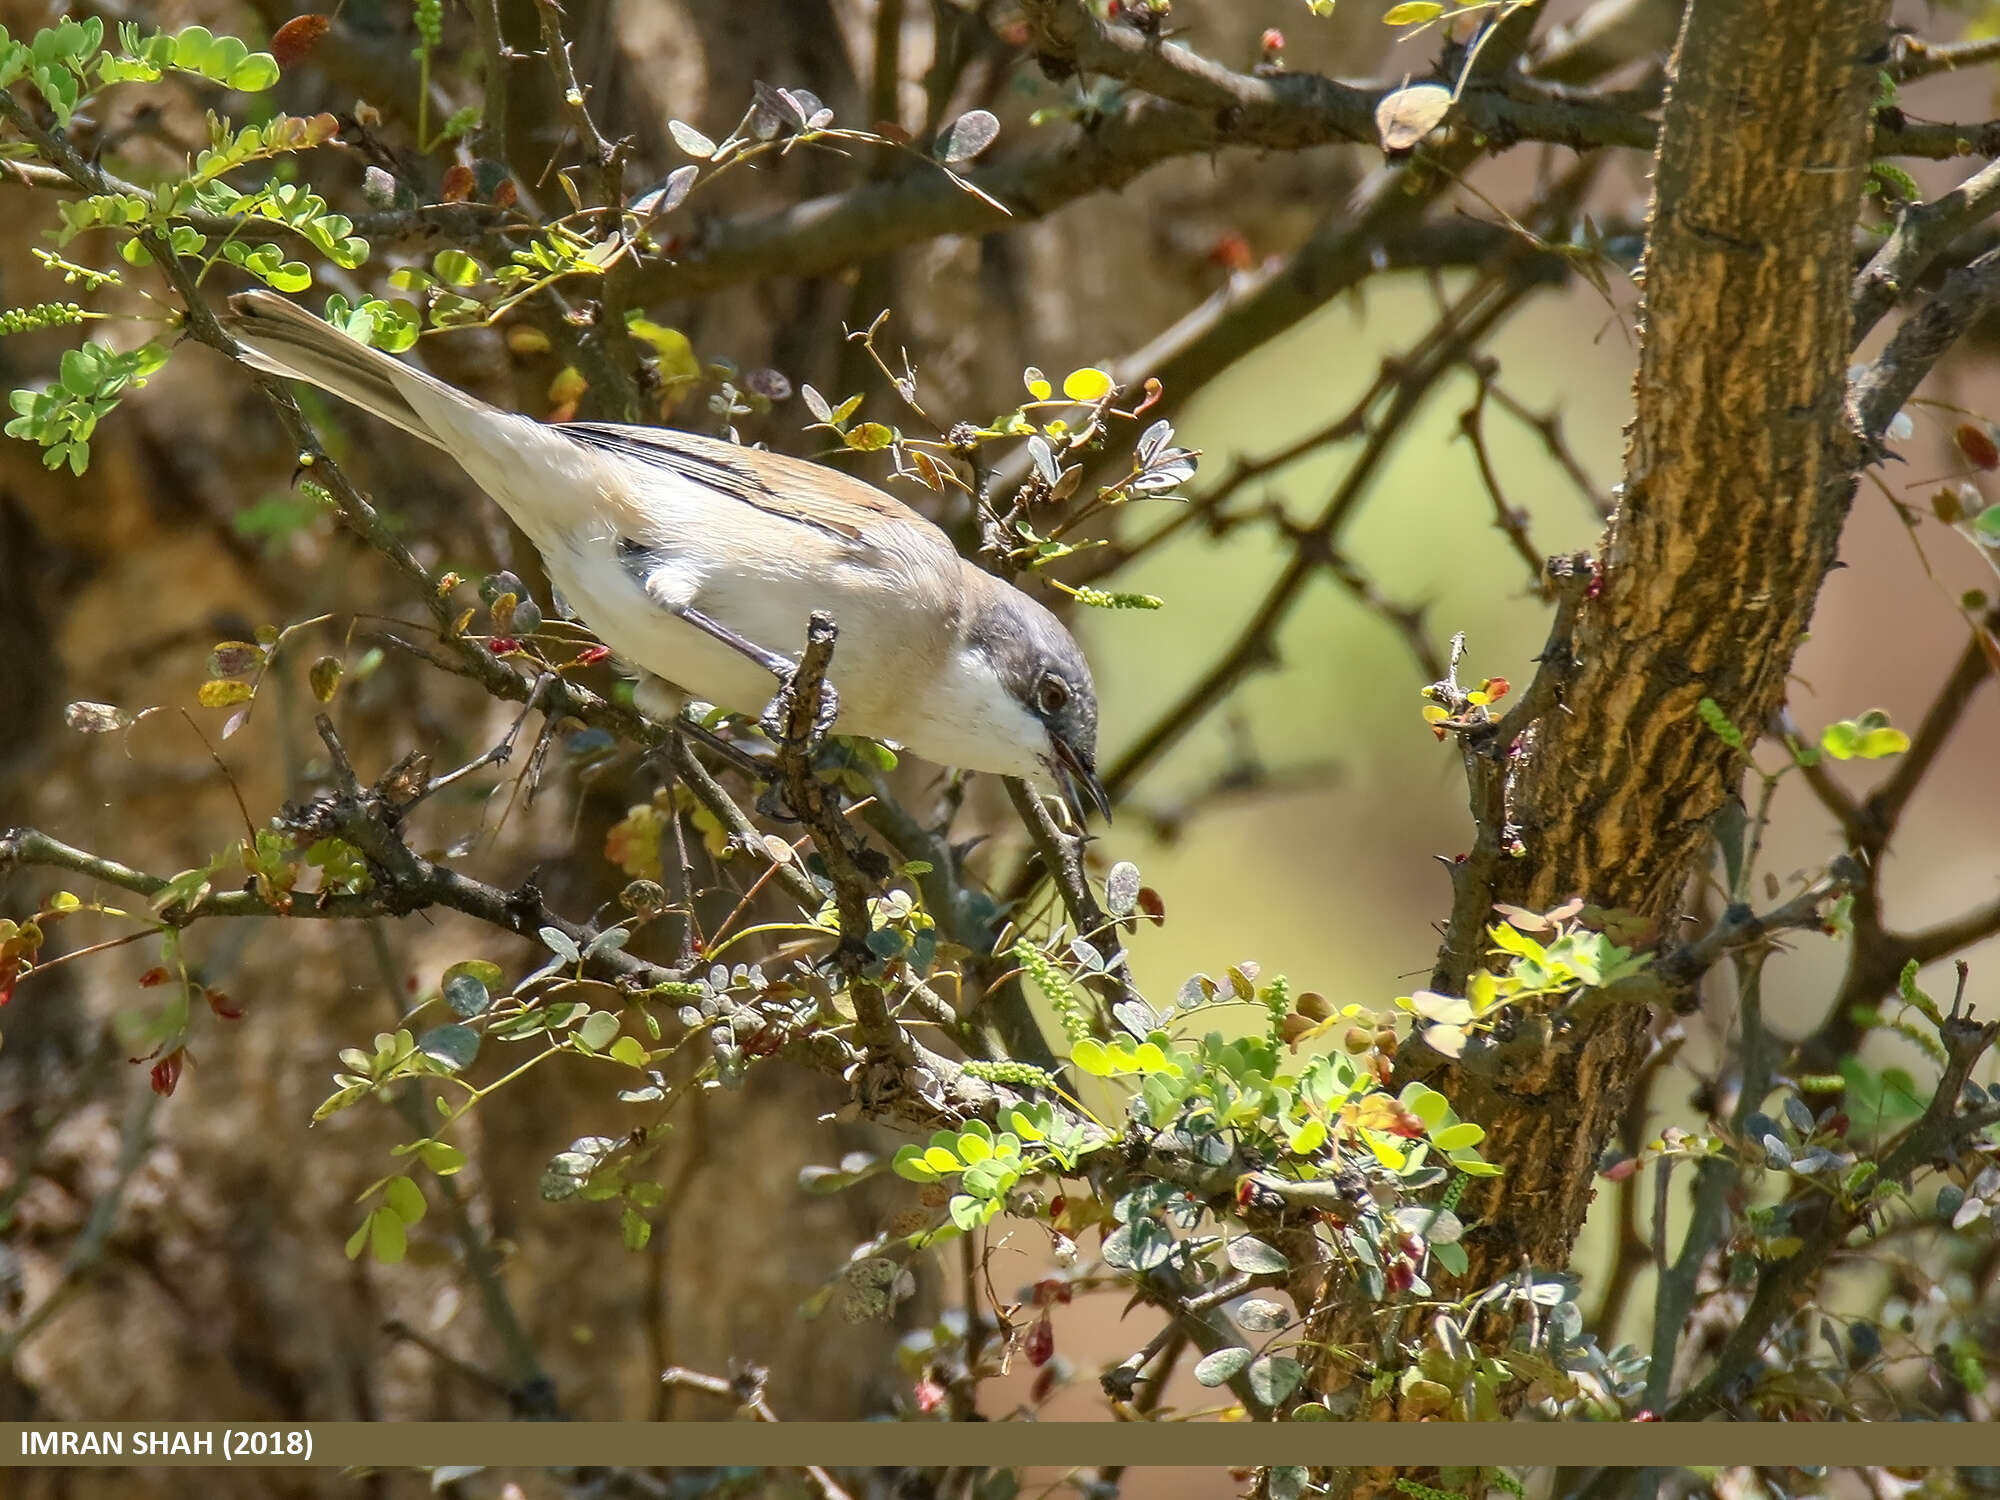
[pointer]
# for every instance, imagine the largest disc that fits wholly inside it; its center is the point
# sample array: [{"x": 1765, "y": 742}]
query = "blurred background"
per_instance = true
[{"x": 193, "y": 1245}]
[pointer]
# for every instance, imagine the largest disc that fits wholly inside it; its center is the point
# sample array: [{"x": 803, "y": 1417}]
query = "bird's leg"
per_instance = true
[
  {"x": 753, "y": 768},
  {"x": 778, "y": 711},
  {"x": 680, "y": 873}
]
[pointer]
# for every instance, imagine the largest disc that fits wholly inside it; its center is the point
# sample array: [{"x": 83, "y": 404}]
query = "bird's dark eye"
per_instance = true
[{"x": 1051, "y": 693}]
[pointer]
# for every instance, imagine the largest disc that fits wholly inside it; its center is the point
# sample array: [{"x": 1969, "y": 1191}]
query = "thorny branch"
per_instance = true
[
  {"x": 1489, "y": 748},
  {"x": 816, "y": 805}
]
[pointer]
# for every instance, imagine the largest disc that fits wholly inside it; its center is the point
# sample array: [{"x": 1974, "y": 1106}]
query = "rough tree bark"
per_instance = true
[{"x": 1742, "y": 461}]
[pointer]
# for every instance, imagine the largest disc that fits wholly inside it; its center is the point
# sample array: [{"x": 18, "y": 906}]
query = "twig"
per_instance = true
[
  {"x": 1715, "y": 1179},
  {"x": 1488, "y": 749},
  {"x": 526, "y": 1385},
  {"x": 816, "y": 807},
  {"x": 1916, "y": 58},
  {"x": 1884, "y": 808},
  {"x": 1922, "y": 232},
  {"x": 1062, "y": 858},
  {"x": 1461, "y": 329},
  {"x": 1512, "y": 523},
  {"x": 1681, "y": 966},
  {"x": 493, "y": 80},
  {"x": 747, "y": 1391},
  {"x": 1968, "y": 294},
  {"x": 608, "y": 158},
  {"x": 485, "y": 1379},
  {"x": 1783, "y": 1285},
  {"x": 1548, "y": 427}
]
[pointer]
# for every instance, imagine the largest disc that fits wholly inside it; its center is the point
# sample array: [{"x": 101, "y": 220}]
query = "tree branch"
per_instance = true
[
  {"x": 1923, "y": 231},
  {"x": 1968, "y": 294}
]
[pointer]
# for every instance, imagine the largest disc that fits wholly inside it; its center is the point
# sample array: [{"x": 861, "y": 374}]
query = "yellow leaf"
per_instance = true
[
  {"x": 219, "y": 693},
  {"x": 675, "y": 354},
  {"x": 1087, "y": 384}
]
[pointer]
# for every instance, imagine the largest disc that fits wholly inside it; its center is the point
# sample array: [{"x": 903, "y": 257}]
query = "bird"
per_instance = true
[{"x": 698, "y": 561}]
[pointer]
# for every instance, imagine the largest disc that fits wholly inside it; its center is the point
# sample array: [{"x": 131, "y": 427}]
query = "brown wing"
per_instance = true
[{"x": 806, "y": 494}]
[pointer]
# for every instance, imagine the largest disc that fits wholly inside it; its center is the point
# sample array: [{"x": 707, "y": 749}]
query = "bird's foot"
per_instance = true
[
  {"x": 775, "y": 805},
  {"x": 777, "y": 716}
]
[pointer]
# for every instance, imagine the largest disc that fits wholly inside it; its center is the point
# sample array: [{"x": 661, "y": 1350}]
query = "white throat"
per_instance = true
[{"x": 967, "y": 718}]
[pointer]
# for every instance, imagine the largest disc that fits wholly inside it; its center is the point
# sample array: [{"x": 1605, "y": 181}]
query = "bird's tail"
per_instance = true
[{"x": 281, "y": 338}]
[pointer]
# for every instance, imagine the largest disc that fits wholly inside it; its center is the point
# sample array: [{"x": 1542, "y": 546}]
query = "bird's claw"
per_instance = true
[
  {"x": 777, "y": 716},
  {"x": 775, "y": 805}
]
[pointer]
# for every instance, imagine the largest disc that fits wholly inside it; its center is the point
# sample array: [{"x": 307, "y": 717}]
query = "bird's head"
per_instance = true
[{"x": 1041, "y": 668}]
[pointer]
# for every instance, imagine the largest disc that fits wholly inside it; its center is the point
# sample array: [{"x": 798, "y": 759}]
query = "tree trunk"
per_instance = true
[{"x": 1740, "y": 467}]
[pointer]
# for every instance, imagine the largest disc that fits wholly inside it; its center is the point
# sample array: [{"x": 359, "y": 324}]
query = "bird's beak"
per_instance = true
[{"x": 1078, "y": 778}]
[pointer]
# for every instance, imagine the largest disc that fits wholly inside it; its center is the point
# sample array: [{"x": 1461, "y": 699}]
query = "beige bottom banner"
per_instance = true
[{"x": 1058, "y": 1445}]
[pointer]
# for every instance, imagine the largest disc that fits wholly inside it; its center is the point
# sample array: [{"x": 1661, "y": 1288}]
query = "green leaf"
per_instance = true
[
  {"x": 869, "y": 437},
  {"x": 1413, "y": 13},
  {"x": 1427, "y": 1104},
  {"x": 1458, "y": 1137},
  {"x": 254, "y": 74},
  {"x": 1143, "y": 1245},
  {"x": 469, "y": 986},
  {"x": 690, "y": 140},
  {"x": 456, "y": 268},
  {"x": 634, "y": 1228},
  {"x": 942, "y": 1161},
  {"x": 1308, "y": 1138},
  {"x": 1877, "y": 743},
  {"x": 1091, "y": 1056},
  {"x": 598, "y": 1030},
  {"x": 451, "y": 1046},
  {"x": 1249, "y": 1254},
  {"x": 630, "y": 1051},
  {"x": 1274, "y": 1377},
  {"x": 1223, "y": 1366},
  {"x": 387, "y": 1240},
  {"x": 441, "y": 1157},
  {"x": 404, "y": 1199},
  {"x": 910, "y": 1165}
]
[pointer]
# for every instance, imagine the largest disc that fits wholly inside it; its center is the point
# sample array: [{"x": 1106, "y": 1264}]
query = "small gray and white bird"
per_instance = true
[{"x": 700, "y": 561}]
